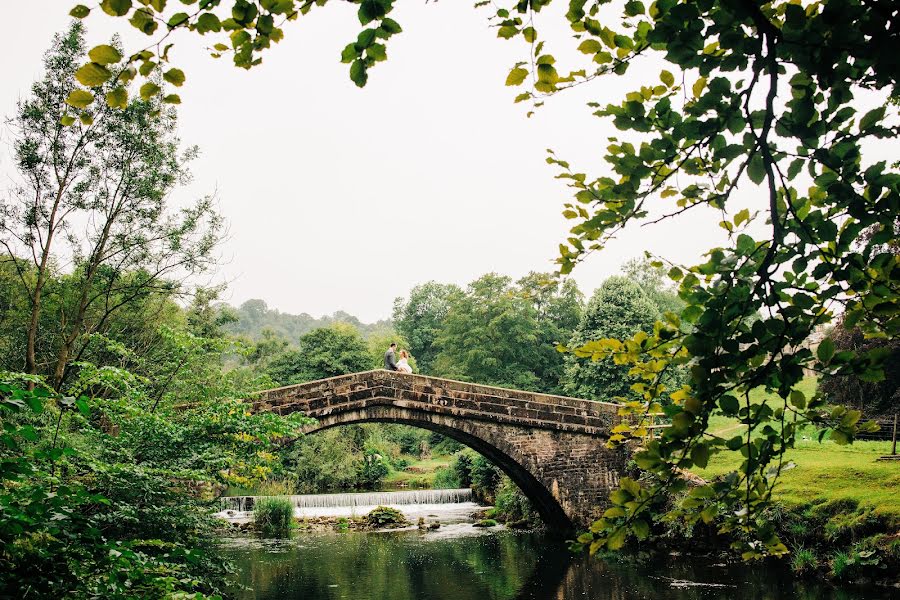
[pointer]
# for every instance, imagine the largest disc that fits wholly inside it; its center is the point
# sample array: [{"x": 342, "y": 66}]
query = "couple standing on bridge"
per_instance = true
[{"x": 392, "y": 364}]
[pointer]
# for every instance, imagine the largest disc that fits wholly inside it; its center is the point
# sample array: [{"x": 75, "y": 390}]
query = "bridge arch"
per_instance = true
[{"x": 552, "y": 447}]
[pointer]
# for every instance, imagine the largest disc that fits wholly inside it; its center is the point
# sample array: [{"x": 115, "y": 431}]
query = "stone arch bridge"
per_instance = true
[{"x": 553, "y": 447}]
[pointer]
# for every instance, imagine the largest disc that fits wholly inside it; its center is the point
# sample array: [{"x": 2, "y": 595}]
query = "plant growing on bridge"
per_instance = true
[{"x": 755, "y": 95}]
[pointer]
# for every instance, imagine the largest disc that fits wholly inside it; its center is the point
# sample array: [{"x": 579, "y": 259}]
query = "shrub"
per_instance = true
[
  {"x": 385, "y": 516},
  {"x": 375, "y": 467},
  {"x": 804, "y": 560},
  {"x": 511, "y": 504},
  {"x": 446, "y": 478},
  {"x": 273, "y": 515}
]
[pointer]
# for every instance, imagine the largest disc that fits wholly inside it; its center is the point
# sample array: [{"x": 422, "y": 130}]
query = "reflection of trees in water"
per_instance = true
[
  {"x": 503, "y": 566},
  {"x": 390, "y": 566}
]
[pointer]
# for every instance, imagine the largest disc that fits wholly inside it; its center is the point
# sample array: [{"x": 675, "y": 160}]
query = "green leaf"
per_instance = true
[
  {"x": 590, "y": 46},
  {"x": 507, "y": 31},
  {"x": 729, "y": 405},
  {"x": 871, "y": 118},
  {"x": 92, "y": 75},
  {"x": 148, "y": 90},
  {"x": 617, "y": 539},
  {"x": 641, "y": 529},
  {"x": 208, "y": 22},
  {"x": 79, "y": 98},
  {"x": 104, "y": 54},
  {"x": 174, "y": 76},
  {"x": 178, "y": 19},
  {"x": 516, "y": 76},
  {"x": 82, "y": 405},
  {"x": 358, "y": 73},
  {"x": 798, "y": 399},
  {"x": 391, "y": 26},
  {"x": 143, "y": 20},
  {"x": 667, "y": 78},
  {"x": 67, "y": 120},
  {"x": 172, "y": 99},
  {"x": 80, "y": 11},
  {"x": 117, "y": 98},
  {"x": 756, "y": 169},
  {"x": 825, "y": 351},
  {"x": 377, "y": 52},
  {"x": 700, "y": 455},
  {"x": 116, "y": 8},
  {"x": 698, "y": 87}
]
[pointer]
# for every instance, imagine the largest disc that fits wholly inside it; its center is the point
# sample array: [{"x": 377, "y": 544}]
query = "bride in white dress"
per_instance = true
[{"x": 403, "y": 363}]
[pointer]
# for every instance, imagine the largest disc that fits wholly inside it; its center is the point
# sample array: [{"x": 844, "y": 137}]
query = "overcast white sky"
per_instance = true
[{"x": 341, "y": 198}]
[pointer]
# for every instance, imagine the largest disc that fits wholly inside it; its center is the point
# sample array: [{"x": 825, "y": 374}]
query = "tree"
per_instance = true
[
  {"x": 559, "y": 305},
  {"x": 324, "y": 352},
  {"x": 93, "y": 191},
  {"x": 654, "y": 283},
  {"x": 489, "y": 335},
  {"x": 618, "y": 309},
  {"x": 762, "y": 94},
  {"x": 378, "y": 344},
  {"x": 420, "y": 318}
]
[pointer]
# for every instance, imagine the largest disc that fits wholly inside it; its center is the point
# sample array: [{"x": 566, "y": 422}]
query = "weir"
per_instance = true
[{"x": 411, "y": 497}]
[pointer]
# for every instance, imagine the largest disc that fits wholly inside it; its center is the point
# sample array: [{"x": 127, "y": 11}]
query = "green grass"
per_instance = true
[
  {"x": 829, "y": 472},
  {"x": 419, "y": 473},
  {"x": 723, "y": 426},
  {"x": 824, "y": 471}
]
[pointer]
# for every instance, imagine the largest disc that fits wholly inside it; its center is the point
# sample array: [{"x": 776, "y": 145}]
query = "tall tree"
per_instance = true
[
  {"x": 92, "y": 195},
  {"x": 490, "y": 336},
  {"x": 420, "y": 317},
  {"x": 618, "y": 309},
  {"x": 559, "y": 305},
  {"x": 324, "y": 352}
]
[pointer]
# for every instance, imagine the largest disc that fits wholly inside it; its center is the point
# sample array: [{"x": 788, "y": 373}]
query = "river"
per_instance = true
[{"x": 461, "y": 562}]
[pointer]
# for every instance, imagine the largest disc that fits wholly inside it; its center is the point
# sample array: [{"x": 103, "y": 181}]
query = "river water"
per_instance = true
[{"x": 461, "y": 562}]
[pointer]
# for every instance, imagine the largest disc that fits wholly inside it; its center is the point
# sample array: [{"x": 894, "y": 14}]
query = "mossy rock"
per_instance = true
[
  {"x": 485, "y": 523},
  {"x": 385, "y": 516}
]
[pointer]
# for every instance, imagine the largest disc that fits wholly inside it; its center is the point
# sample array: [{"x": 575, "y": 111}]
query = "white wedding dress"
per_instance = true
[{"x": 403, "y": 366}]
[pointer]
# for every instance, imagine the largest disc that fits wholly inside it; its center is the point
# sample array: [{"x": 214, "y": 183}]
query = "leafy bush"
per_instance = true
[
  {"x": 385, "y": 516},
  {"x": 446, "y": 478},
  {"x": 510, "y": 504},
  {"x": 273, "y": 515},
  {"x": 375, "y": 467}
]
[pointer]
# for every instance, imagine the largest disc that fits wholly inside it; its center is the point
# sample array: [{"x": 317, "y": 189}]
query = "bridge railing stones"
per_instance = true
[{"x": 435, "y": 395}]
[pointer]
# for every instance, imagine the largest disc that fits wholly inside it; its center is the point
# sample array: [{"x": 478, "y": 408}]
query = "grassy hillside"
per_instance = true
[{"x": 824, "y": 472}]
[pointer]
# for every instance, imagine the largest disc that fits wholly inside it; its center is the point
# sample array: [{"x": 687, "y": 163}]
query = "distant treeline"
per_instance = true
[{"x": 254, "y": 317}]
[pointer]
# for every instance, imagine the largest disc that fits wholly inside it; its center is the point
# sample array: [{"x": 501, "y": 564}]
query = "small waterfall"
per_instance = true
[{"x": 411, "y": 497}]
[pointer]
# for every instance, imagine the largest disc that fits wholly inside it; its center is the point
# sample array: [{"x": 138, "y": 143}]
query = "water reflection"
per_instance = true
[{"x": 498, "y": 565}]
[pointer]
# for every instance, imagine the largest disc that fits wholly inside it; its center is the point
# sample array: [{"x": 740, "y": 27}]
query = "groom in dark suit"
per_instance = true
[{"x": 390, "y": 358}]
